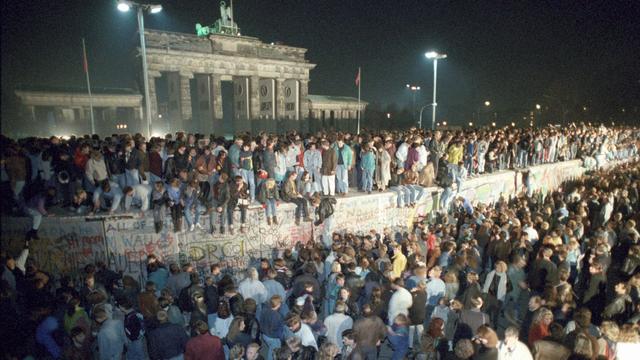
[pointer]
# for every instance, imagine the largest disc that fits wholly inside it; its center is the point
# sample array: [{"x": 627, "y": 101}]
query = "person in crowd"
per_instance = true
[
  {"x": 511, "y": 347},
  {"x": 220, "y": 196},
  {"x": 368, "y": 167},
  {"x": 167, "y": 340},
  {"x": 269, "y": 196},
  {"x": 568, "y": 250},
  {"x": 343, "y": 165},
  {"x": 204, "y": 345},
  {"x": 290, "y": 194},
  {"x": 138, "y": 195},
  {"x": 240, "y": 198}
]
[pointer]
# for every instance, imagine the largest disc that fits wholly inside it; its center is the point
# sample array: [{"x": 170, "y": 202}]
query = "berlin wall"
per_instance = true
[{"x": 67, "y": 244}]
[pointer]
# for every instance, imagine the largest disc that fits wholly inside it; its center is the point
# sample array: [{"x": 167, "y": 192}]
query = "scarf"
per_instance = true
[{"x": 502, "y": 284}]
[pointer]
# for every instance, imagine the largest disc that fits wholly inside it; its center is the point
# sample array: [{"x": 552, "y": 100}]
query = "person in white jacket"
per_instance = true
[
  {"x": 95, "y": 170},
  {"x": 512, "y": 348},
  {"x": 336, "y": 323},
  {"x": 137, "y": 194},
  {"x": 251, "y": 287},
  {"x": 401, "y": 300},
  {"x": 401, "y": 153}
]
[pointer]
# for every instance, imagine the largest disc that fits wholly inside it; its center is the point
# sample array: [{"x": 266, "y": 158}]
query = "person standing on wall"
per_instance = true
[
  {"x": 328, "y": 169},
  {"x": 345, "y": 161}
]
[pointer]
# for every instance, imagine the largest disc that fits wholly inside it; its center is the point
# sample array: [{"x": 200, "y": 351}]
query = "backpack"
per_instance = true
[{"x": 134, "y": 325}]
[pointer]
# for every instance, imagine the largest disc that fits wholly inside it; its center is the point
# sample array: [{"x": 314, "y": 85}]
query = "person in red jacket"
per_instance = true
[
  {"x": 81, "y": 156},
  {"x": 540, "y": 327},
  {"x": 204, "y": 346}
]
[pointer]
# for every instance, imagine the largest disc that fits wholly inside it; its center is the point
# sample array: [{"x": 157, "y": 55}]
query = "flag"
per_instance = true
[
  {"x": 85, "y": 63},
  {"x": 358, "y": 78}
]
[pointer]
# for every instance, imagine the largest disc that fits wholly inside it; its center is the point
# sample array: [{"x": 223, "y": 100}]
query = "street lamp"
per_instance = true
[
  {"x": 435, "y": 56},
  {"x": 413, "y": 89},
  {"x": 487, "y": 103},
  {"x": 125, "y": 6},
  {"x": 538, "y": 107}
]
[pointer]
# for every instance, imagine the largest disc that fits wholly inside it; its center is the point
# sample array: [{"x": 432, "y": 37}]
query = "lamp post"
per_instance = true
[
  {"x": 421, "y": 110},
  {"x": 414, "y": 89},
  {"x": 435, "y": 56},
  {"x": 125, "y": 6}
]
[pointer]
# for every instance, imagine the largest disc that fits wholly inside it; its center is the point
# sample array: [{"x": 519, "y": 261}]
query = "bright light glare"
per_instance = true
[
  {"x": 493, "y": 124},
  {"x": 435, "y": 55},
  {"x": 388, "y": 115},
  {"x": 123, "y": 6},
  {"x": 470, "y": 124},
  {"x": 513, "y": 124},
  {"x": 444, "y": 123},
  {"x": 154, "y": 9},
  {"x": 538, "y": 106},
  {"x": 418, "y": 88},
  {"x": 487, "y": 103}
]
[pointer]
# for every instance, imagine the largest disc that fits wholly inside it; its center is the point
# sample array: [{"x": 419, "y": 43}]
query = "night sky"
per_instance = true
[{"x": 512, "y": 53}]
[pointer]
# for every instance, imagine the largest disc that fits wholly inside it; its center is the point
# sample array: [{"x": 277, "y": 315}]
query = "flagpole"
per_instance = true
[
  {"x": 86, "y": 72},
  {"x": 359, "y": 85}
]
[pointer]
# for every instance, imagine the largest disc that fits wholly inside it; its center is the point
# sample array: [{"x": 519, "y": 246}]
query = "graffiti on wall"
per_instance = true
[{"x": 66, "y": 245}]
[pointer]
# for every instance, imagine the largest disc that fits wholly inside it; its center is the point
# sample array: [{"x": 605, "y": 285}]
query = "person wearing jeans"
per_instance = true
[
  {"x": 107, "y": 191},
  {"x": 414, "y": 192},
  {"x": 190, "y": 199},
  {"x": 290, "y": 194},
  {"x": 139, "y": 195},
  {"x": 36, "y": 208},
  {"x": 238, "y": 196},
  {"x": 268, "y": 196},
  {"x": 368, "y": 166},
  {"x": 246, "y": 169},
  {"x": 219, "y": 199},
  {"x": 344, "y": 163}
]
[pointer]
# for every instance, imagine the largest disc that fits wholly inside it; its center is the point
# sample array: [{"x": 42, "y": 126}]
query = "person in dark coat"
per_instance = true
[
  {"x": 167, "y": 340},
  {"x": 417, "y": 311}
]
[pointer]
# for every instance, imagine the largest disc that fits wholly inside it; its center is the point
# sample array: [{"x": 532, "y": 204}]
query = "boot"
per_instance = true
[
  {"x": 158, "y": 226},
  {"x": 298, "y": 221},
  {"x": 212, "y": 230},
  {"x": 222, "y": 230},
  {"x": 275, "y": 220},
  {"x": 268, "y": 220},
  {"x": 34, "y": 235}
]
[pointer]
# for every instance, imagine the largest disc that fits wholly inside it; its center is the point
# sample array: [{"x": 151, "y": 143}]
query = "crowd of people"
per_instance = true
[
  {"x": 188, "y": 176},
  {"x": 544, "y": 277}
]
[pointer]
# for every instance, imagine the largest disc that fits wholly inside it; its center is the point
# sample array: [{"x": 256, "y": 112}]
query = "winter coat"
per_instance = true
[
  {"x": 269, "y": 162},
  {"x": 329, "y": 161},
  {"x": 236, "y": 194},
  {"x": 166, "y": 341},
  {"x": 325, "y": 209},
  {"x": 265, "y": 194},
  {"x": 368, "y": 161},
  {"x": 383, "y": 168},
  {"x": 347, "y": 154},
  {"x": 312, "y": 160},
  {"x": 400, "y": 302},
  {"x": 289, "y": 191},
  {"x": 220, "y": 195}
]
